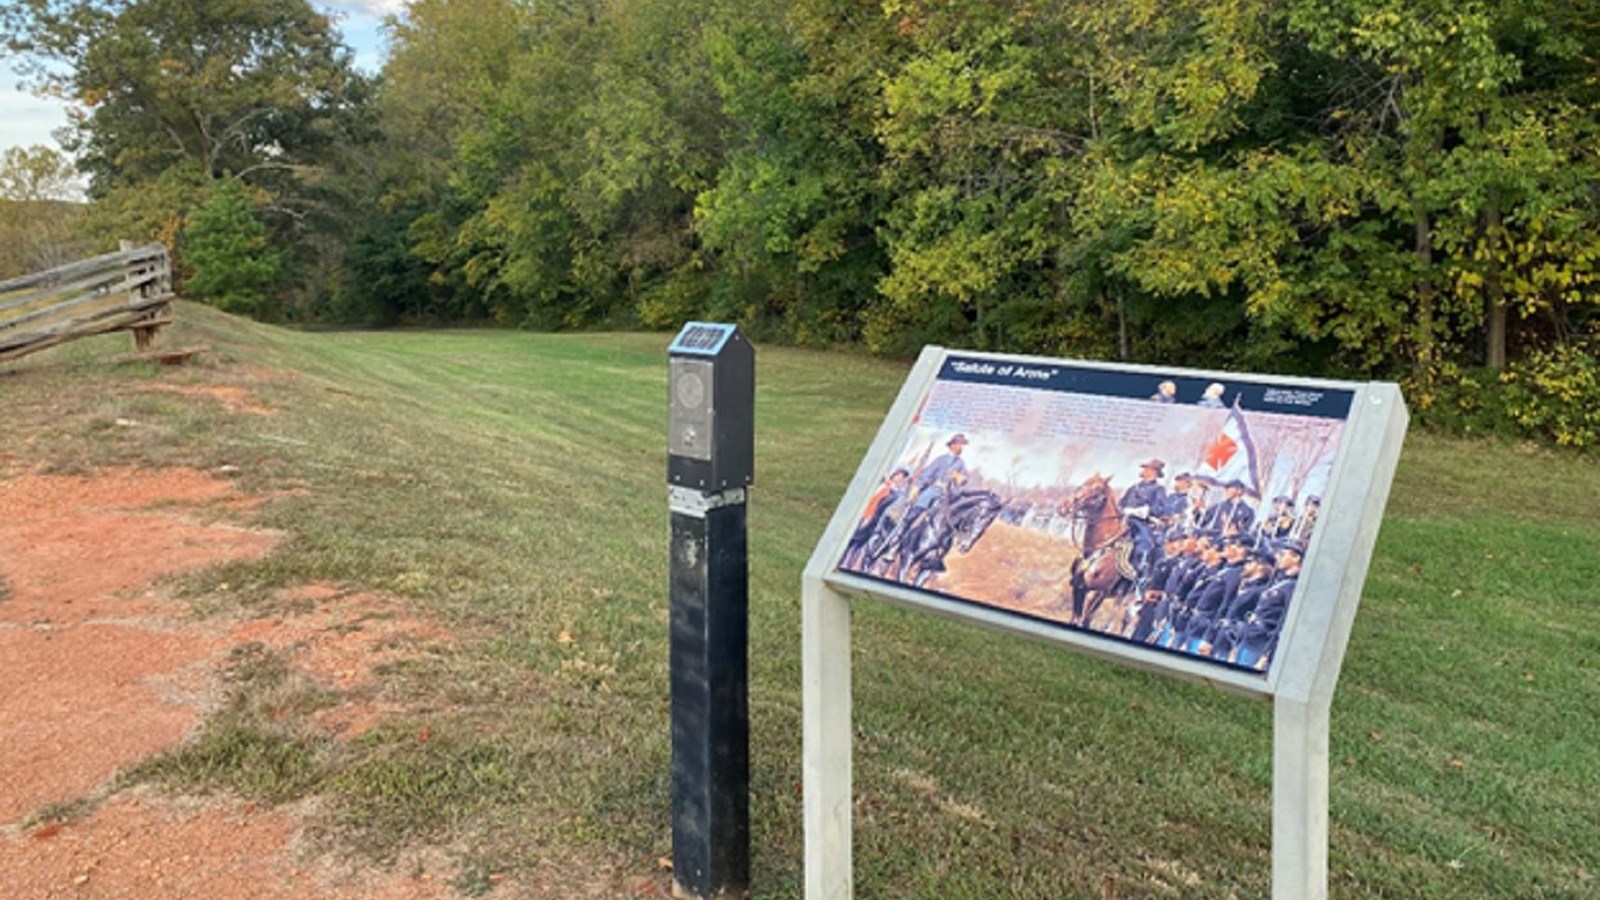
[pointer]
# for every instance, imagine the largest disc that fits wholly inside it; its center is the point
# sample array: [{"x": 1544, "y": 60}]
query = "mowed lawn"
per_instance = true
[{"x": 513, "y": 484}]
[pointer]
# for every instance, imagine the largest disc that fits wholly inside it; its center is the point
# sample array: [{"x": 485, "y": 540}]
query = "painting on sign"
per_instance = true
[{"x": 1168, "y": 512}]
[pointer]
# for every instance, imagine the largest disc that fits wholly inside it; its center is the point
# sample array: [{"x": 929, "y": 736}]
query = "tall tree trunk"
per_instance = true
[
  {"x": 1122, "y": 324},
  {"x": 1494, "y": 288},
  {"x": 977, "y": 324},
  {"x": 1425, "y": 293}
]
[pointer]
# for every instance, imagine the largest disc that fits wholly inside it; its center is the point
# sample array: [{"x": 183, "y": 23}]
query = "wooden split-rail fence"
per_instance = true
[{"x": 129, "y": 290}]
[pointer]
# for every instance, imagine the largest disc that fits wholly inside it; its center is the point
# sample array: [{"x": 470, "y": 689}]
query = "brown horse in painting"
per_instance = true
[{"x": 1097, "y": 572}]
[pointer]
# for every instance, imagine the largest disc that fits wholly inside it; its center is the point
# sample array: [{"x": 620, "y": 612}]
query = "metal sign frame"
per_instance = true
[{"x": 1300, "y": 682}]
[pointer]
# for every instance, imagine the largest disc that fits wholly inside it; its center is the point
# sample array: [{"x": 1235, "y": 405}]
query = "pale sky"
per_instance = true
[{"x": 26, "y": 119}]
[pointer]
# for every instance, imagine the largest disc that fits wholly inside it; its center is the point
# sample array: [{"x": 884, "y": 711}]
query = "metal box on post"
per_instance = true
[{"x": 711, "y": 418}]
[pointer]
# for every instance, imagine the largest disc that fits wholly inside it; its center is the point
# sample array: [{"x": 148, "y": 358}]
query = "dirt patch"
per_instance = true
[
  {"x": 343, "y": 636},
  {"x": 84, "y": 647},
  {"x": 232, "y": 398},
  {"x": 82, "y": 703},
  {"x": 339, "y": 639},
  {"x": 77, "y": 566},
  {"x": 39, "y": 495},
  {"x": 104, "y": 669},
  {"x": 145, "y": 846},
  {"x": 72, "y": 547}
]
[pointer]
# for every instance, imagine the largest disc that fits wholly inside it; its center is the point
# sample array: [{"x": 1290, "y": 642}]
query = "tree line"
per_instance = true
[{"x": 1353, "y": 187}]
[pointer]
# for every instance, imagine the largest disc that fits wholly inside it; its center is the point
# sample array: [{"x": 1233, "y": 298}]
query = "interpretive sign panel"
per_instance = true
[
  {"x": 1208, "y": 525},
  {"x": 1163, "y": 510}
]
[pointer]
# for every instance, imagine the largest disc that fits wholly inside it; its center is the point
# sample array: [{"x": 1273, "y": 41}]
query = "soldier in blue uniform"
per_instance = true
[
  {"x": 1185, "y": 560},
  {"x": 1233, "y": 515},
  {"x": 1217, "y": 594},
  {"x": 940, "y": 479},
  {"x": 937, "y": 478},
  {"x": 1186, "y": 557},
  {"x": 1258, "y": 638},
  {"x": 883, "y": 511},
  {"x": 1175, "y": 509},
  {"x": 1278, "y": 524},
  {"x": 1308, "y": 519},
  {"x": 1258, "y": 572},
  {"x": 1141, "y": 505},
  {"x": 1153, "y": 606},
  {"x": 1206, "y": 565}
]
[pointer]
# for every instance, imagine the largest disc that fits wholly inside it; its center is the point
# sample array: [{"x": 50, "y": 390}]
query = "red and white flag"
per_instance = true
[{"x": 1231, "y": 456}]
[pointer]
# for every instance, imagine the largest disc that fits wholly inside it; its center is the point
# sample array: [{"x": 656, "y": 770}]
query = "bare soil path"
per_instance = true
[{"x": 101, "y": 668}]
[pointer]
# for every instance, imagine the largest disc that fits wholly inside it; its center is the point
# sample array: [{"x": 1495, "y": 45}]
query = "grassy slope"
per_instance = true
[{"x": 513, "y": 484}]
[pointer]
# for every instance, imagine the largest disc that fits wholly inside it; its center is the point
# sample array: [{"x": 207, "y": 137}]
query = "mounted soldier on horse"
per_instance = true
[{"x": 908, "y": 538}]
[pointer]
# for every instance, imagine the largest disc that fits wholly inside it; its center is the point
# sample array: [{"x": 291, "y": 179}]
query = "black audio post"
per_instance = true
[{"x": 711, "y": 438}]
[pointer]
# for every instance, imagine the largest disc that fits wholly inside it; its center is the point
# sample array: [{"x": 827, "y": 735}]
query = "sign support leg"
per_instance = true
[
  {"x": 1299, "y": 799},
  {"x": 828, "y": 737}
]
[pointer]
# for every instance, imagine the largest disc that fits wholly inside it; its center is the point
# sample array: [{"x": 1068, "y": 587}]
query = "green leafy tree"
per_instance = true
[
  {"x": 572, "y": 158},
  {"x": 249, "y": 87},
  {"x": 1353, "y": 186},
  {"x": 479, "y": 102},
  {"x": 233, "y": 265},
  {"x": 979, "y": 153},
  {"x": 1391, "y": 178},
  {"x": 439, "y": 93},
  {"x": 168, "y": 97},
  {"x": 793, "y": 215}
]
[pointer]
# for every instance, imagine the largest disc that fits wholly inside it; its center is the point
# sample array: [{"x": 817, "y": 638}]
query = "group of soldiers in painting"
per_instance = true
[
  {"x": 1209, "y": 579},
  {"x": 904, "y": 497}
]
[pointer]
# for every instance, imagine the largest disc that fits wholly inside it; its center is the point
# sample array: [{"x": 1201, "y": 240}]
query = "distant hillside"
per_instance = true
[{"x": 40, "y": 234}]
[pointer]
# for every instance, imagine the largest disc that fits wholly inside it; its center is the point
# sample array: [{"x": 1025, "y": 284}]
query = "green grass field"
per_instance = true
[{"x": 513, "y": 484}]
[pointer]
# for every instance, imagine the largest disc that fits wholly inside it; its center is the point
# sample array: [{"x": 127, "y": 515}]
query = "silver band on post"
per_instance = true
[{"x": 691, "y": 502}]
